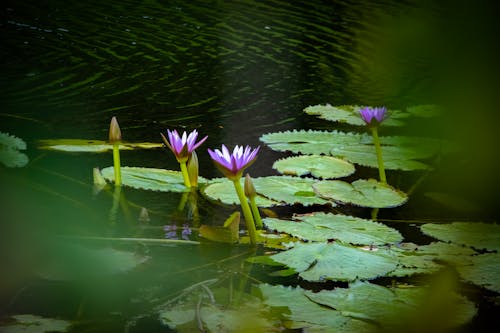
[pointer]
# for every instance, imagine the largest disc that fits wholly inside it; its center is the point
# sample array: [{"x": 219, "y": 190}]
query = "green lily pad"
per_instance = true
[
  {"x": 299, "y": 312},
  {"x": 318, "y": 166},
  {"x": 484, "y": 271},
  {"x": 333, "y": 261},
  {"x": 475, "y": 234},
  {"x": 321, "y": 227},
  {"x": 222, "y": 189},
  {"x": 394, "y": 309},
  {"x": 28, "y": 323},
  {"x": 10, "y": 154},
  {"x": 149, "y": 178},
  {"x": 349, "y": 114},
  {"x": 276, "y": 189},
  {"x": 399, "y": 152},
  {"x": 92, "y": 146},
  {"x": 362, "y": 192}
]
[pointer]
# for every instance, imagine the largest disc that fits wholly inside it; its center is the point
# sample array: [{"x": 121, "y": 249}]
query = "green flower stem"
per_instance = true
[
  {"x": 116, "y": 164},
  {"x": 246, "y": 211},
  {"x": 256, "y": 213},
  {"x": 376, "y": 141},
  {"x": 185, "y": 174}
]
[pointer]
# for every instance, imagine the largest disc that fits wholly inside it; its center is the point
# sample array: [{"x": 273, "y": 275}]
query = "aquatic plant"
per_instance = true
[
  {"x": 373, "y": 117},
  {"x": 115, "y": 136},
  {"x": 10, "y": 154},
  {"x": 232, "y": 166},
  {"x": 183, "y": 148}
]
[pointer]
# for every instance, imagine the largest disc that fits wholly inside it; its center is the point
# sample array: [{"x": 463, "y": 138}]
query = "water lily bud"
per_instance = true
[
  {"x": 249, "y": 188},
  {"x": 193, "y": 168},
  {"x": 115, "y": 134}
]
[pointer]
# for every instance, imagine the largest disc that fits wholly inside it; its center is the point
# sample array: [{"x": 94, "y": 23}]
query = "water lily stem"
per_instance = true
[
  {"x": 376, "y": 141},
  {"x": 256, "y": 213},
  {"x": 247, "y": 213},
  {"x": 116, "y": 164},
  {"x": 185, "y": 174}
]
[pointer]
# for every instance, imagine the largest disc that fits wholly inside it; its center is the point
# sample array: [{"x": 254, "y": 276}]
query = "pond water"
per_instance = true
[{"x": 232, "y": 70}]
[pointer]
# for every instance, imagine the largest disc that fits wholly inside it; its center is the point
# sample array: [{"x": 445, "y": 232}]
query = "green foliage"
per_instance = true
[
  {"x": 399, "y": 153},
  {"x": 320, "y": 227},
  {"x": 349, "y": 114},
  {"x": 271, "y": 191},
  {"x": 149, "y": 178},
  {"x": 10, "y": 154},
  {"x": 319, "y": 262},
  {"x": 475, "y": 234},
  {"x": 484, "y": 271},
  {"x": 318, "y": 166},
  {"x": 362, "y": 192},
  {"x": 28, "y": 323},
  {"x": 91, "y": 146}
]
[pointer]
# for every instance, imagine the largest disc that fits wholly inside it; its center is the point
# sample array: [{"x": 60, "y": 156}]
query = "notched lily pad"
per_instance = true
[
  {"x": 318, "y": 166},
  {"x": 349, "y": 114},
  {"x": 484, "y": 271},
  {"x": 478, "y": 235},
  {"x": 222, "y": 190},
  {"x": 362, "y": 192},
  {"x": 321, "y": 227},
  {"x": 150, "y": 178},
  {"x": 319, "y": 262},
  {"x": 91, "y": 146}
]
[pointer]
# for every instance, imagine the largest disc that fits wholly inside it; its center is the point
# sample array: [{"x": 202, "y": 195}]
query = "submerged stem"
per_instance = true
[
  {"x": 376, "y": 141},
  {"x": 246, "y": 211},
  {"x": 116, "y": 164},
  {"x": 185, "y": 174}
]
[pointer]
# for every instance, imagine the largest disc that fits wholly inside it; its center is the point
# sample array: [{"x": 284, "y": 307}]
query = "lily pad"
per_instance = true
[
  {"x": 318, "y": 166},
  {"x": 319, "y": 262},
  {"x": 10, "y": 154},
  {"x": 362, "y": 192},
  {"x": 28, "y": 323},
  {"x": 349, "y": 114},
  {"x": 394, "y": 309},
  {"x": 222, "y": 189},
  {"x": 92, "y": 146},
  {"x": 484, "y": 271},
  {"x": 475, "y": 234},
  {"x": 299, "y": 312},
  {"x": 321, "y": 227},
  {"x": 150, "y": 178},
  {"x": 271, "y": 191}
]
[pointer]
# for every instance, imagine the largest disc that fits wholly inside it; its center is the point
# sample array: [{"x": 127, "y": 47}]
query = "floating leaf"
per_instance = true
[
  {"x": 10, "y": 156},
  {"x": 318, "y": 166},
  {"x": 92, "y": 146},
  {"x": 484, "y": 271},
  {"x": 362, "y": 192},
  {"x": 475, "y": 234},
  {"x": 333, "y": 261},
  {"x": 149, "y": 178},
  {"x": 299, "y": 312},
  {"x": 399, "y": 152},
  {"x": 28, "y": 323},
  {"x": 394, "y": 309},
  {"x": 271, "y": 190},
  {"x": 320, "y": 227},
  {"x": 222, "y": 190},
  {"x": 350, "y": 114}
]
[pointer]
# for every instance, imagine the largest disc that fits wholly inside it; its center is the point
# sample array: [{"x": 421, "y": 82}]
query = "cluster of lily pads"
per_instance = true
[{"x": 320, "y": 246}]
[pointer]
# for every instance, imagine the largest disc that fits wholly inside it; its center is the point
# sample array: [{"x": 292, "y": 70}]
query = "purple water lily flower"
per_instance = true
[
  {"x": 183, "y": 146},
  {"x": 373, "y": 116},
  {"x": 232, "y": 165}
]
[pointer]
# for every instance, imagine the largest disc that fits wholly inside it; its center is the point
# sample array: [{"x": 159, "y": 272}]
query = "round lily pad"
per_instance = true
[
  {"x": 362, "y": 192},
  {"x": 484, "y": 271},
  {"x": 318, "y": 166},
  {"x": 222, "y": 189}
]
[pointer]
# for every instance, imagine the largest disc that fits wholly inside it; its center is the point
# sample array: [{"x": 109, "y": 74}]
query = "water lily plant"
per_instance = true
[
  {"x": 115, "y": 136},
  {"x": 232, "y": 166},
  {"x": 183, "y": 148},
  {"x": 251, "y": 193},
  {"x": 373, "y": 117}
]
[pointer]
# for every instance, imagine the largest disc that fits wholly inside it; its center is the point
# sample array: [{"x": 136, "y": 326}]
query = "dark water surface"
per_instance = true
[{"x": 233, "y": 70}]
